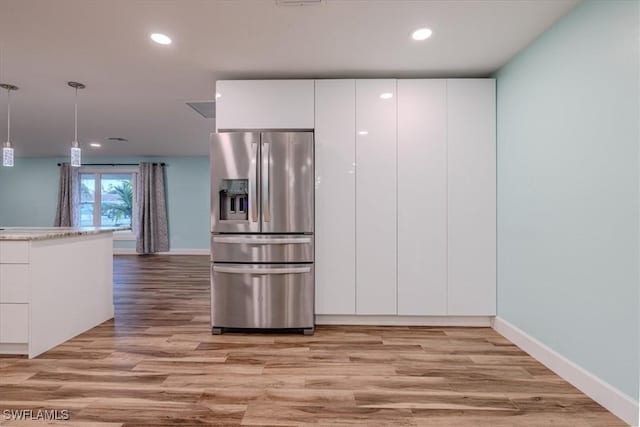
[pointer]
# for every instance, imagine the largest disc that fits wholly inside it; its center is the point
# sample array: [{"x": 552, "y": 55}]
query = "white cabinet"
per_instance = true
[
  {"x": 376, "y": 197},
  {"x": 471, "y": 196},
  {"x": 14, "y": 283},
  {"x": 14, "y": 323},
  {"x": 264, "y": 104},
  {"x": 52, "y": 290},
  {"x": 14, "y": 292},
  {"x": 422, "y": 197},
  {"x": 405, "y": 188},
  {"x": 335, "y": 151},
  {"x": 14, "y": 252}
]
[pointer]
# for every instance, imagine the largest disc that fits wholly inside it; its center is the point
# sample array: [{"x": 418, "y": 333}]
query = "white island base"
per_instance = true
[{"x": 54, "y": 285}]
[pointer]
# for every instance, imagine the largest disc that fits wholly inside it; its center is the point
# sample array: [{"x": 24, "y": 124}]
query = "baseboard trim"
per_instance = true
[
  {"x": 615, "y": 401},
  {"x": 17, "y": 348},
  {"x": 475, "y": 321},
  {"x": 132, "y": 251}
]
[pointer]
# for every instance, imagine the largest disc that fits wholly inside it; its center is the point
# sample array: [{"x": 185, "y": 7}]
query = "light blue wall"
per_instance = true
[
  {"x": 568, "y": 130},
  {"x": 28, "y": 194}
]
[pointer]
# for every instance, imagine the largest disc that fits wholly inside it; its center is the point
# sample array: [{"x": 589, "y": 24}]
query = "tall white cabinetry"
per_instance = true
[
  {"x": 335, "y": 150},
  {"x": 405, "y": 191},
  {"x": 376, "y": 178},
  {"x": 471, "y": 140},
  {"x": 422, "y": 197}
]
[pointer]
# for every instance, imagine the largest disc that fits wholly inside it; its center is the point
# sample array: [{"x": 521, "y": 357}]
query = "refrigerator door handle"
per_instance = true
[
  {"x": 267, "y": 241},
  {"x": 254, "y": 186},
  {"x": 248, "y": 270},
  {"x": 266, "y": 172}
]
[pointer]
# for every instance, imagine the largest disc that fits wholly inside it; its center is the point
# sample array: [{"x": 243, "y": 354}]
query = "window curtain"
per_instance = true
[
  {"x": 68, "y": 197},
  {"x": 151, "y": 225}
]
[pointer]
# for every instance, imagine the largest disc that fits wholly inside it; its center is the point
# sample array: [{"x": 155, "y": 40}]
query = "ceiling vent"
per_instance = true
[
  {"x": 298, "y": 2},
  {"x": 206, "y": 109},
  {"x": 117, "y": 139}
]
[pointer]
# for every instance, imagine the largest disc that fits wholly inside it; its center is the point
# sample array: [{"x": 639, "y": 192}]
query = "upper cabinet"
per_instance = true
[
  {"x": 264, "y": 104},
  {"x": 471, "y": 137}
]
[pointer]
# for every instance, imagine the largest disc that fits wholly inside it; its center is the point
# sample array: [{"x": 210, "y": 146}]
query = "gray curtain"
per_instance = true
[
  {"x": 152, "y": 231},
  {"x": 68, "y": 197}
]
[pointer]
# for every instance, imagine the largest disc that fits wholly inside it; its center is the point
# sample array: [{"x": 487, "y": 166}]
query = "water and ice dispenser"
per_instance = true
[{"x": 234, "y": 200}]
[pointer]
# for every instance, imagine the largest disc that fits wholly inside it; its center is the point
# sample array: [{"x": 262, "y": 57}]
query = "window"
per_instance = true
[{"x": 107, "y": 198}]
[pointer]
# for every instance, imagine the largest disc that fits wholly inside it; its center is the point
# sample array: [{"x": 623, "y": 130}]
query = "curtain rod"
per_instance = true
[{"x": 116, "y": 164}]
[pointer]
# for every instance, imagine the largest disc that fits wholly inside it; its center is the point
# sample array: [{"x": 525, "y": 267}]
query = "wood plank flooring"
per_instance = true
[{"x": 157, "y": 364}]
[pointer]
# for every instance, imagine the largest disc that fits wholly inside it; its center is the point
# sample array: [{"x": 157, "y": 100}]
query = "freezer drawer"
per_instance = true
[
  {"x": 262, "y": 248},
  {"x": 262, "y": 296}
]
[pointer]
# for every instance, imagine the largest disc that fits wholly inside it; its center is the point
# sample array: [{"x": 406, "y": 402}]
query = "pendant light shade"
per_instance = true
[
  {"x": 76, "y": 152},
  {"x": 7, "y": 147},
  {"x": 76, "y": 156},
  {"x": 7, "y": 154}
]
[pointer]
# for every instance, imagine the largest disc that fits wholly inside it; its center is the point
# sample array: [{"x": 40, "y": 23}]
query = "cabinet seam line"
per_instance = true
[
  {"x": 446, "y": 144},
  {"x": 355, "y": 194},
  {"x": 397, "y": 198}
]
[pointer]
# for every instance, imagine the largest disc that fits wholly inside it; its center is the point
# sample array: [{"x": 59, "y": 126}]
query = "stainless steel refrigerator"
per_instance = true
[{"x": 262, "y": 223}]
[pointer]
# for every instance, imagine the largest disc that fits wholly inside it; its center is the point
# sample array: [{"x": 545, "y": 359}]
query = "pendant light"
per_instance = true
[
  {"x": 7, "y": 147},
  {"x": 76, "y": 152}
]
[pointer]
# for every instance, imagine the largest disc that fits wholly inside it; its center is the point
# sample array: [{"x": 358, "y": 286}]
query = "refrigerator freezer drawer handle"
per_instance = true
[
  {"x": 274, "y": 241},
  {"x": 245, "y": 270}
]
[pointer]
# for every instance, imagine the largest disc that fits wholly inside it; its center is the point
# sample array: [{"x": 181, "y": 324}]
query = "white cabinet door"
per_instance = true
[
  {"x": 471, "y": 125},
  {"x": 376, "y": 274},
  {"x": 264, "y": 104},
  {"x": 422, "y": 197},
  {"x": 14, "y": 283},
  {"x": 335, "y": 151},
  {"x": 14, "y": 323},
  {"x": 14, "y": 252}
]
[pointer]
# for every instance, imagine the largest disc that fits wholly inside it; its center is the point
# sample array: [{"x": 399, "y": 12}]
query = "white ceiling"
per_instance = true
[{"x": 137, "y": 89}]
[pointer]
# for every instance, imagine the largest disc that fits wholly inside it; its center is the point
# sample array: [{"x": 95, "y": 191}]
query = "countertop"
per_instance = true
[{"x": 45, "y": 233}]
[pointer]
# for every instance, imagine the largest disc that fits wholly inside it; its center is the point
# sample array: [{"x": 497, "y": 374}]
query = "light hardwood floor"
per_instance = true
[{"x": 157, "y": 364}]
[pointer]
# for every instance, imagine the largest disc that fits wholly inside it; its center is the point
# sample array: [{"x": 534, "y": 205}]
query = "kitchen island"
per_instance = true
[{"x": 55, "y": 283}]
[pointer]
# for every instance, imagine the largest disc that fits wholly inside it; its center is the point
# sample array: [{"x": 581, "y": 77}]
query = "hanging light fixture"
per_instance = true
[
  {"x": 76, "y": 152},
  {"x": 7, "y": 147}
]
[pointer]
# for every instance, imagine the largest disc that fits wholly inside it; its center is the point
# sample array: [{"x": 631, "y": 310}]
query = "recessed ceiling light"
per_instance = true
[
  {"x": 95, "y": 145},
  {"x": 160, "y": 38},
  {"x": 386, "y": 95},
  {"x": 363, "y": 132},
  {"x": 421, "y": 34}
]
